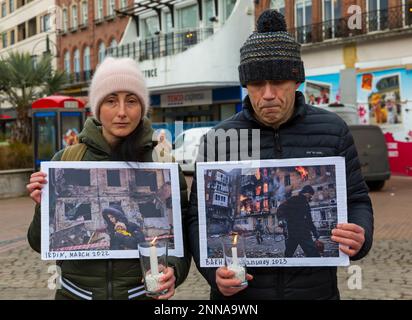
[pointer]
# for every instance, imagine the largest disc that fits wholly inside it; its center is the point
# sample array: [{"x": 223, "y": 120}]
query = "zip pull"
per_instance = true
[{"x": 278, "y": 146}]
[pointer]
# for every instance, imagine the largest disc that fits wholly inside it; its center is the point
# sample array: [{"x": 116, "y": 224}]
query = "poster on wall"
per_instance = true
[
  {"x": 323, "y": 89},
  {"x": 385, "y": 99},
  {"x": 383, "y": 95},
  {"x": 284, "y": 209}
]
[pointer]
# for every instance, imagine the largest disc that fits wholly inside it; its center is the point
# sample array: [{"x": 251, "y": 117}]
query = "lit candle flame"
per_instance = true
[
  {"x": 235, "y": 239},
  {"x": 153, "y": 242}
]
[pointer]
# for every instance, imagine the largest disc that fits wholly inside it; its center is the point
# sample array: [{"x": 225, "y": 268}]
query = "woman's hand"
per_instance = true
[
  {"x": 167, "y": 282},
  {"x": 37, "y": 182}
]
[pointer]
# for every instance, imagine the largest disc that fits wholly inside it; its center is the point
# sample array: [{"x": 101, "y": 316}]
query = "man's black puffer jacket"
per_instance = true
[{"x": 311, "y": 132}]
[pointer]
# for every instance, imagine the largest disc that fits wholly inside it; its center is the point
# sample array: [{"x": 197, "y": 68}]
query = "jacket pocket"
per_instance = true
[
  {"x": 74, "y": 290},
  {"x": 136, "y": 292}
]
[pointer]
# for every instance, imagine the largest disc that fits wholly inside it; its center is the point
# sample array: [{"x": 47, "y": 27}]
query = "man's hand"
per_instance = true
[
  {"x": 350, "y": 237},
  {"x": 167, "y": 282},
  {"x": 225, "y": 281}
]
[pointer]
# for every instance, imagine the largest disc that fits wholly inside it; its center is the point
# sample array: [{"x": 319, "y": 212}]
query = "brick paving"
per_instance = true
[{"x": 386, "y": 271}]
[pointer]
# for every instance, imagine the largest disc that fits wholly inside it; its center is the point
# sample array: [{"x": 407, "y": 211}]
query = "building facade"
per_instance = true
[
  {"x": 218, "y": 201},
  {"x": 87, "y": 31},
  {"x": 189, "y": 53},
  {"x": 359, "y": 52},
  {"x": 27, "y": 26}
]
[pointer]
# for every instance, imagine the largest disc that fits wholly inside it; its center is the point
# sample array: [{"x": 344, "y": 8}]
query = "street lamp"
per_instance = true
[{"x": 48, "y": 41}]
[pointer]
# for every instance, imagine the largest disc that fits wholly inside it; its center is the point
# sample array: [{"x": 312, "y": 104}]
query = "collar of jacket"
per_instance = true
[
  {"x": 299, "y": 110},
  {"x": 92, "y": 136}
]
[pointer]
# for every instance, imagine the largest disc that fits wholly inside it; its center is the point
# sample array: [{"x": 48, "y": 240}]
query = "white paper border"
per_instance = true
[
  {"x": 108, "y": 254},
  {"x": 338, "y": 162}
]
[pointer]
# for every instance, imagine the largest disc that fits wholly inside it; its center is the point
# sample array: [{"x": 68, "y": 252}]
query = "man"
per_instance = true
[
  {"x": 259, "y": 232},
  {"x": 296, "y": 212},
  {"x": 272, "y": 70}
]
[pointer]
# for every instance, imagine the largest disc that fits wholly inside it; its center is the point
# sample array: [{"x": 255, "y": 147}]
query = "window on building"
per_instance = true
[
  {"x": 67, "y": 62},
  {"x": 208, "y": 12},
  {"x": 150, "y": 26},
  {"x": 146, "y": 179},
  {"x": 4, "y": 39},
  {"x": 113, "y": 48},
  {"x": 32, "y": 27},
  {"x": 113, "y": 178},
  {"x": 21, "y": 28},
  {"x": 45, "y": 23},
  {"x": 188, "y": 17},
  {"x": 408, "y": 12},
  {"x": 77, "y": 177},
  {"x": 303, "y": 20},
  {"x": 11, "y": 6},
  {"x": 99, "y": 9},
  {"x": 110, "y": 7},
  {"x": 75, "y": 212},
  {"x": 377, "y": 15},
  {"x": 278, "y": 5},
  {"x": 228, "y": 6},
  {"x": 102, "y": 52},
  {"x": 3, "y": 10},
  {"x": 12, "y": 37},
  {"x": 74, "y": 17},
  {"x": 85, "y": 12},
  {"x": 86, "y": 63},
  {"x": 123, "y": 4},
  {"x": 76, "y": 63},
  {"x": 332, "y": 12},
  {"x": 65, "y": 20}
]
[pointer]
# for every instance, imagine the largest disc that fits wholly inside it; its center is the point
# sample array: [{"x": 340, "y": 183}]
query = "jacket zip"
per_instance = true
[
  {"x": 109, "y": 280},
  {"x": 280, "y": 278},
  {"x": 278, "y": 146}
]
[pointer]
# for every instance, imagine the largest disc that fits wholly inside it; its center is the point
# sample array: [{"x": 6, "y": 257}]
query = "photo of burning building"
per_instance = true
[
  {"x": 252, "y": 202},
  {"x": 108, "y": 209}
]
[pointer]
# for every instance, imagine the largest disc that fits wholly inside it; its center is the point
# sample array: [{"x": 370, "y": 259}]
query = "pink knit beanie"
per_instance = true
[{"x": 115, "y": 75}]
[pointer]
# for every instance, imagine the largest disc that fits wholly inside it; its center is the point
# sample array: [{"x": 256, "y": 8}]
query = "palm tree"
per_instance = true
[{"x": 23, "y": 81}]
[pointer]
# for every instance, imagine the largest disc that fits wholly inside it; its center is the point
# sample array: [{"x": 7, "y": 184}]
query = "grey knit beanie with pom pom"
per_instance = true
[{"x": 270, "y": 53}]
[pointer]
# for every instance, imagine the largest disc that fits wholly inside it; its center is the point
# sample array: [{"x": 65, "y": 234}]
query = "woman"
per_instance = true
[{"x": 118, "y": 98}]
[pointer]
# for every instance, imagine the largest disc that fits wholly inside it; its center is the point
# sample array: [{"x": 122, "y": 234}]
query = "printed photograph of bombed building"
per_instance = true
[
  {"x": 108, "y": 209},
  {"x": 282, "y": 212}
]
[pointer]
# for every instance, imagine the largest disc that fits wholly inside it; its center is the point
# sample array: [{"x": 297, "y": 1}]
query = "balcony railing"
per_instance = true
[
  {"x": 372, "y": 21},
  {"x": 161, "y": 45},
  {"x": 81, "y": 77}
]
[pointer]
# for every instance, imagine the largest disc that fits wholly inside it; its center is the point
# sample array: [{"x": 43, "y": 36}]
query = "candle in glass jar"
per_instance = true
[
  {"x": 235, "y": 260},
  {"x": 154, "y": 266}
]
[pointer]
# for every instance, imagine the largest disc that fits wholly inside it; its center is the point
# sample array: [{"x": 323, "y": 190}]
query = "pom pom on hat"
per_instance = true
[{"x": 271, "y": 21}]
